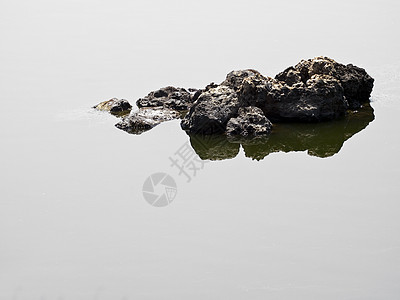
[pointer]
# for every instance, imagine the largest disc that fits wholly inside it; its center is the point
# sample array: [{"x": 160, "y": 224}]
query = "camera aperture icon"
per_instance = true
[{"x": 159, "y": 189}]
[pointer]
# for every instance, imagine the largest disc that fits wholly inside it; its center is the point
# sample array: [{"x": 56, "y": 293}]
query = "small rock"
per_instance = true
[
  {"x": 145, "y": 119},
  {"x": 115, "y": 106},
  {"x": 251, "y": 121},
  {"x": 168, "y": 97}
]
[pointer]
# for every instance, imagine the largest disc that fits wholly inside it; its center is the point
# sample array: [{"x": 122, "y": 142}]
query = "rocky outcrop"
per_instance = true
[
  {"x": 245, "y": 103},
  {"x": 115, "y": 106},
  {"x": 250, "y": 121},
  {"x": 216, "y": 104},
  {"x": 159, "y": 106},
  {"x": 168, "y": 97},
  {"x": 320, "y": 98},
  {"x": 357, "y": 84},
  {"x": 314, "y": 90},
  {"x": 145, "y": 119},
  {"x": 235, "y": 79},
  {"x": 212, "y": 110}
]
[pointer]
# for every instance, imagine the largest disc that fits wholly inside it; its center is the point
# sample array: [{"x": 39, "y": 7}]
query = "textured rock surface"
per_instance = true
[
  {"x": 235, "y": 79},
  {"x": 145, "y": 119},
  {"x": 250, "y": 121},
  {"x": 216, "y": 104},
  {"x": 314, "y": 90},
  {"x": 114, "y": 106},
  {"x": 212, "y": 110},
  {"x": 169, "y": 97},
  {"x": 320, "y": 98},
  {"x": 356, "y": 83}
]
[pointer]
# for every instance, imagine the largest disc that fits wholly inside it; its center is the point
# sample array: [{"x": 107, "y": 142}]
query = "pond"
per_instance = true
[{"x": 310, "y": 212}]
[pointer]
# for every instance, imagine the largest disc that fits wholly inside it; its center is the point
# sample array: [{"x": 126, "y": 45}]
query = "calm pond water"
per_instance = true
[{"x": 311, "y": 213}]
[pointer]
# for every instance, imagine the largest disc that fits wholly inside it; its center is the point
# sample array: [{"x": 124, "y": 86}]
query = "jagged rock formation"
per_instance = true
[
  {"x": 212, "y": 110},
  {"x": 168, "y": 97},
  {"x": 250, "y": 121},
  {"x": 245, "y": 103},
  {"x": 321, "y": 98},
  {"x": 357, "y": 84},
  {"x": 314, "y": 90}
]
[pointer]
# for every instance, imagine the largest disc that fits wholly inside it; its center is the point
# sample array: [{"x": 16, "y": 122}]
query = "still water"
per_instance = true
[{"x": 310, "y": 213}]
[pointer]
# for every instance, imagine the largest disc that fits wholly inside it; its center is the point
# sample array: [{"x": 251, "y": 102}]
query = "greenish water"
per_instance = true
[{"x": 318, "y": 139}]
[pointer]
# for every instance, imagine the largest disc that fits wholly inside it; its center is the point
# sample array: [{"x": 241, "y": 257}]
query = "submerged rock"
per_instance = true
[
  {"x": 168, "y": 97},
  {"x": 115, "y": 106},
  {"x": 250, "y": 121},
  {"x": 145, "y": 119}
]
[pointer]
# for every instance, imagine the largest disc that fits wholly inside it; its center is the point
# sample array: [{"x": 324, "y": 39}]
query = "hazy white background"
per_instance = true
[{"x": 73, "y": 222}]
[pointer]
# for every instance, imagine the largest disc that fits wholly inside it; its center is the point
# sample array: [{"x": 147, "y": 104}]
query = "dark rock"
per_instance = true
[
  {"x": 357, "y": 84},
  {"x": 115, "y": 106},
  {"x": 216, "y": 104},
  {"x": 314, "y": 90},
  {"x": 211, "y": 111},
  {"x": 235, "y": 79},
  {"x": 168, "y": 97},
  {"x": 320, "y": 98},
  {"x": 145, "y": 119},
  {"x": 250, "y": 121},
  {"x": 198, "y": 92}
]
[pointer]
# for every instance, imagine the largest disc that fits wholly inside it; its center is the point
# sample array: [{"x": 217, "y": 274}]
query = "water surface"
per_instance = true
[{"x": 311, "y": 214}]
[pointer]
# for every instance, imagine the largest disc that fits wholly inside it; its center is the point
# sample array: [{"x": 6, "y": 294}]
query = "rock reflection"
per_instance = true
[
  {"x": 213, "y": 147},
  {"x": 318, "y": 139}
]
